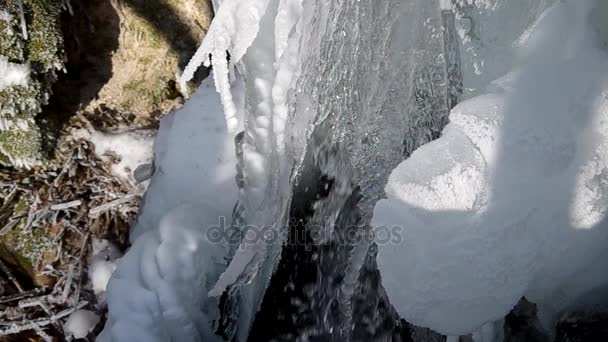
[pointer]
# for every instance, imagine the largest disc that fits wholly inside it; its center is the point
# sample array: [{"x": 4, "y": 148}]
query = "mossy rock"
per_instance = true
[
  {"x": 28, "y": 250},
  {"x": 154, "y": 41},
  {"x": 41, "y": 48}
]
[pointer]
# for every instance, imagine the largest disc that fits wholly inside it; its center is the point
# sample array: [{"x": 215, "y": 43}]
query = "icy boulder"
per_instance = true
[{"x": 512, "y": 199}]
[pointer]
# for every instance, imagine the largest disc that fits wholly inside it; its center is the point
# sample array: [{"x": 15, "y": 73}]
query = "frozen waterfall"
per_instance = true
[{"x": 330, "y": 125}]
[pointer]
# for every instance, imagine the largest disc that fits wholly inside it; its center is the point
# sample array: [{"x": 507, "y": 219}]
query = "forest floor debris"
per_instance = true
[{"x": 65, "y": 205}]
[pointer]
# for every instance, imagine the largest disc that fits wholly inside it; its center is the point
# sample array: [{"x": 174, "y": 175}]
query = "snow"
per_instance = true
[
  {"x": 510, "y": 201},
  {"x": 5, "y": 16},
  {"x": 12, "y": 74},
  {"x": 159, "y": 289},
  {"x": 104, "y": 259},
  {"x": 133, "y": 148},
  {"x": 80, "y": 323}
]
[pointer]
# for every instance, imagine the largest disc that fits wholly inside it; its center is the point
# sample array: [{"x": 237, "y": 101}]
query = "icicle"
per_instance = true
[
  {"x": 232, "y": 31},
  {"x": 22, "y": 17},
  {"x": 68, "y": 5}
]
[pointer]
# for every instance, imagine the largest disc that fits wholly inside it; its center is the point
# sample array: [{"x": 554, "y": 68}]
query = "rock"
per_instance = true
[
  {"x": 122, "y": 59},
  {"x": 27, "y": 250},
  {"x": 522, "y": 324},
  {"x": 38, "y": 44},
  {"x": 124, "y": 55},
  {"x": 143, "y": 172},
  {"x": 583, "y": 326}
]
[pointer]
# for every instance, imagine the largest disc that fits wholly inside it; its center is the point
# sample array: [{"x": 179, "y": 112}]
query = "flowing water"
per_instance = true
[
  {"x": 374, "y": 105},
  {"x": 378, "y": 80}
]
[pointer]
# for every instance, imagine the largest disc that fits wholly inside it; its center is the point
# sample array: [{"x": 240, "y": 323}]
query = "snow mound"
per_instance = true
[
  {"x": 511, "y": 200},
  {"x": 159, "y": 289}
]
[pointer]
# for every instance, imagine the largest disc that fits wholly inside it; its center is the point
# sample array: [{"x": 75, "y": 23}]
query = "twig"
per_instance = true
[
  {"x": 22, "y": 17},
  {"x": 80, "y": 259},
  {"x": 8, "y": 199},
  {"x": 95, "y": 212},
  {"x": 9, "y": 226},
  {"x": 66, "y": 205},
  {"x": 41, "y": 333},
  {"x": 21, "y": 295},
  {"x": 15, "y": 327},
  {"x": 68, "y": 284}
]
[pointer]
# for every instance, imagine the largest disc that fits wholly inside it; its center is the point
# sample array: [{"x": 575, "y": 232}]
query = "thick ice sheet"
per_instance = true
[{"x": 511, "y": 200}]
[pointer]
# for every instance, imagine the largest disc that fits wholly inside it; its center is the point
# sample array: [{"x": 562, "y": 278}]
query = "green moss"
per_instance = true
[
  {"x": 20, "y": 102},
  {"x": 22, "y": 147},
  {"x": 21, "y": 206},
  {"x": 45, "y": 44},
  {"x": 11, "y": 41},
  {"x": 21, "y": 106},
  {"x": 135, "y": 85},
  {"x": 26, "y": 249}
]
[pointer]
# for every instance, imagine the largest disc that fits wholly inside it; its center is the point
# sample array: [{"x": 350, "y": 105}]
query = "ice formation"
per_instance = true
[
  {"x": 80, "y": 323},
  {"x": 103, "y": 263},
  {"x": 475, "y": 205},
  {"x": 511, "y": 200},
  {"x": 12, "y": 74},
  {"x": 487, "y": 31},
  {"x": 159, "y": 289},
  {"x": 262, "y": 38}
]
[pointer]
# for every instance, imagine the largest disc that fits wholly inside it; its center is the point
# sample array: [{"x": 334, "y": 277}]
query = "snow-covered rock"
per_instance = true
[{"x": 511, "y": 200}]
